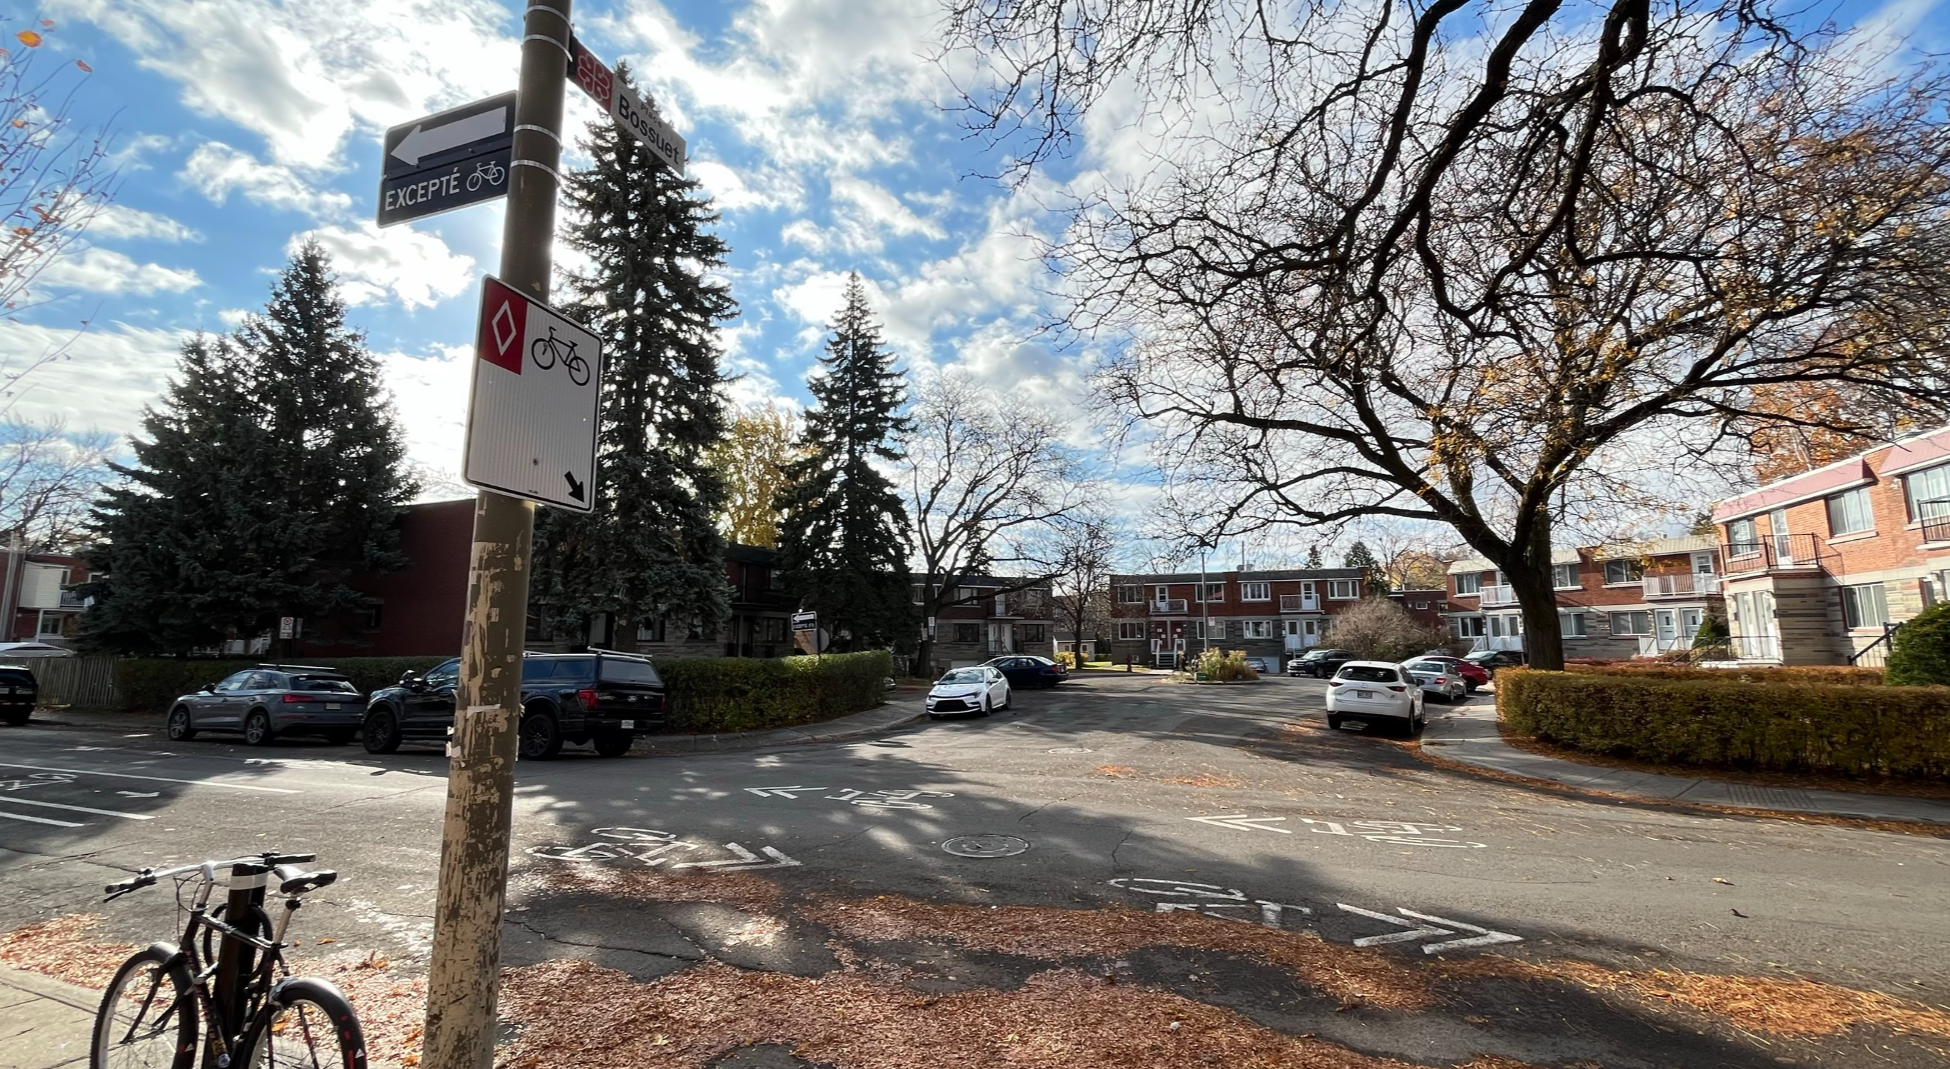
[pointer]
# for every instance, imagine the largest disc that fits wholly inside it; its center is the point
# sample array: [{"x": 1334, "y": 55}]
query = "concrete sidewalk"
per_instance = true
[
  {"x": 44, "y": 1023},
  {"x": 1468, "y": 735}
]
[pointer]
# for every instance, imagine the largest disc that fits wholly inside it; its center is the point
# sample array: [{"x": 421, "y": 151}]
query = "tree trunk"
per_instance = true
[{"x": 1530, "y": 579}]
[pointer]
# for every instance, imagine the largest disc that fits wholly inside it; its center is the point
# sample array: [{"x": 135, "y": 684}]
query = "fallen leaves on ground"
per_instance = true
[
  {"x": 59, "y": 948},
  {"x": 1206, "y": 779},
  {"x": 753, "y": 893},
  {"x": 1056, "y": 934},
  {"x": 1115, "y": 771}
]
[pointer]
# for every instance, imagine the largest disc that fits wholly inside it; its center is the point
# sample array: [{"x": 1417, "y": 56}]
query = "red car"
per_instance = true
[{"x": 1474, "y": 675}]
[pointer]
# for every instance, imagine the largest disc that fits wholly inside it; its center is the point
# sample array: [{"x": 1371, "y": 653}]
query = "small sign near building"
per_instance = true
[
  {"x": 531, "y": 422},
  {"x": 289, "y": 627},
  {"x": 446, "y": 161},
  {"x": 805, "y": 621},
  {"x": 630, "y": 111}
]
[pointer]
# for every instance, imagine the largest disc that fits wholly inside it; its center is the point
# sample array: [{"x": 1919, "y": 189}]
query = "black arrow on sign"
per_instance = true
[{"x": 575, "y": 488}]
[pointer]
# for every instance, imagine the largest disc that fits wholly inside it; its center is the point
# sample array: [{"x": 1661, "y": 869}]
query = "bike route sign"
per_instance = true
[
  {"x": 446, "y": 161},
  {"x": 531, "y": 421}
]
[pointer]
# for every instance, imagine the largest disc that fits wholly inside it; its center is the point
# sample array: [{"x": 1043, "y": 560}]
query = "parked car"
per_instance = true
[
  {"x": 1491, "y": 660},
  {"x": 1318, "y": 662},
  {"x": 979, "y": 690},
  {"x": 1366, "y": 692},
  {"x": 18, "y": 691},
  {"x": 1026, "y": 671},
  {"x": 597, "y": 697},
  {"x": 1438, "y": 679},
  {"x": 270, "y": 700},
  {"x": 1264, "y": 665},
  {"x": 1474, "y": 675}
]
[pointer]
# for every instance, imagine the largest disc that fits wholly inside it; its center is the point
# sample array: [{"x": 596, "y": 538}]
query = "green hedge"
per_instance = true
[
  {"x": 149, "y": 684},
  {"x": 746, "y": 694},
  {"x": 1838, "y": 674},
  {"x": 1789, "y": 724},
  {"x": 1920, "y": 654}
]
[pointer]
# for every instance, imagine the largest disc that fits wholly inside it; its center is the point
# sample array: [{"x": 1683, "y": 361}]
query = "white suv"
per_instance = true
[{"x": 1368, "y": 692}]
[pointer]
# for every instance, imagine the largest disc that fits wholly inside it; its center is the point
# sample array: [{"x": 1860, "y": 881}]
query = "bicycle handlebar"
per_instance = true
[{"x": 148, "y": 877}]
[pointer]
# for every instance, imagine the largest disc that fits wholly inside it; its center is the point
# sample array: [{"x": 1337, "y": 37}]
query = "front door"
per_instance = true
[
  {"x": 1689, "y": 621},
  {"x": 430, "y": 707},
  {"x": 1665, "y": 625},
  {"x": 1309, "y": 599},
  {"x": 1310, "y": 633},
  {"x": 224, "y": 706},
  {"x": 1777, "y": 526}
]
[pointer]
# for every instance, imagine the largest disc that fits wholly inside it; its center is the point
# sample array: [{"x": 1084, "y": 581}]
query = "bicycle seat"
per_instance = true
[{"x": 293, "y": 880}]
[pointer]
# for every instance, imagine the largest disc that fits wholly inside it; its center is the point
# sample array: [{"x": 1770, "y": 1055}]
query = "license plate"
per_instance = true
[
  {"x": 331, "y": 705},
  {"x": 629, "y": 725},
  {"x": 1364, "y": 694}
]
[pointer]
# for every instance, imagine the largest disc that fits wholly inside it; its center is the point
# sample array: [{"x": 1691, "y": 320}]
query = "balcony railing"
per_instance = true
[
  {"x": 1936, "y": 528},
  {"x": 1497, "y": 642},
  {"x": 1775, "y": 553},
  {"x": 1755, "y": 647},
  {"x": 1299, "y": 603},
  {"x": 1168, "y": 607},
  {"x": 71, "y": 599},
  {"x": 1494, "y": 596},
  {"x": 1685, "y": 584}
]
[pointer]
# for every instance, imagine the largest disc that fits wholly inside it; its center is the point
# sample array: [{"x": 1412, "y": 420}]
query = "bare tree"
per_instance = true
[
  {"x": 1489, "y": 267},
  {"x": 1083, "y": 557},
  {"x": 48, "y": 480},
  {"x": 985, "y": 483}
]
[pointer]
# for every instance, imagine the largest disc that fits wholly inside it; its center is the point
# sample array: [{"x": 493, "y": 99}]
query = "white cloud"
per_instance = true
[
  {"x": 216, "y": 170},
  {"x": 107, "y": 271},
  {"x": 121, "y": 221},
  {"x": 102, "y": 381},
  {"x": 730, "y": 191},
  {"x": 433, "y": 388},
  {"x": 412, "y": 266}
]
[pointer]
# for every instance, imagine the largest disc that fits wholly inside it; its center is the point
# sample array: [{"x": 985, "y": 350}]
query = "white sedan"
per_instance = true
[
  {"x": 1369, "y": 692},
  {"x": 979, "y": 690}
]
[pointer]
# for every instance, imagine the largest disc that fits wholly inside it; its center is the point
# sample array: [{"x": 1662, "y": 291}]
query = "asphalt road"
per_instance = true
[{"x": 1234, "y": 802}]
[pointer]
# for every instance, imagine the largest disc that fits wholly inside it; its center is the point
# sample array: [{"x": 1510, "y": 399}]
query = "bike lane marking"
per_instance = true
[
  {"x": 155, "y": 779},
  {"x": 76, "y": 808}
]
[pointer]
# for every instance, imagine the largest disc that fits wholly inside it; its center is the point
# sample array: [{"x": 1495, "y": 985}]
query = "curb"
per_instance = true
[{"x": 47, "y": 987}]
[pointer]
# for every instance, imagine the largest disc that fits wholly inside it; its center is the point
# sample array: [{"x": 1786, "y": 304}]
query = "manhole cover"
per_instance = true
[
  {"x": 985, "y": 846},
  {"x": 1070, "y": 749}
]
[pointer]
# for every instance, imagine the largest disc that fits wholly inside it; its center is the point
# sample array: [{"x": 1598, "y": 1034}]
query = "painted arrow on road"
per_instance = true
[
  {"x": 1422, "y": 926},
  {"x": 1244, "y": 822},
  {"x": 746, "y": 861},
  {"x": 780, "y": 792}
]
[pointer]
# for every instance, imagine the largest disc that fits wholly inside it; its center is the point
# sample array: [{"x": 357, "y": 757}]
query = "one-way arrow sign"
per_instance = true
[{"x": 446, "y": 161}]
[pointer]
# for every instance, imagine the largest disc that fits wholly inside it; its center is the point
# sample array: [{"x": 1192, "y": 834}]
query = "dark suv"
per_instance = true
[
  {"x": 270, "y": 700},
  {"x": 600, "y": 697},
  {"x": 1319, "y": 662},
  {"x": 18, "y": 689}
]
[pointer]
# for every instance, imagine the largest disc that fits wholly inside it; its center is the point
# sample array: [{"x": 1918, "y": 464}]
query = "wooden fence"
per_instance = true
[{"x": 81, "y": 682}]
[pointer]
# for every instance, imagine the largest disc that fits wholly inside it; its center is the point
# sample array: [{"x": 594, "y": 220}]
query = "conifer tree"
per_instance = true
[
  {"x": 1360, "y": 556},
  {"x": 651, "y": 548},
  {"x": 844, "y": 534},
  {"x": 1313, "y": 556}
]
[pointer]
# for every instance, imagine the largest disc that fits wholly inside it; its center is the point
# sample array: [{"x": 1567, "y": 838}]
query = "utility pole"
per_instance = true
[
  {"x": 1204, "y": 607},
  {"x": 463, "y": 979}
]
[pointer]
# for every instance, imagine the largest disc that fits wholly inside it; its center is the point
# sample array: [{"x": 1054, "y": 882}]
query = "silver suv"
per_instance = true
[{"x": 270, "y": 700}]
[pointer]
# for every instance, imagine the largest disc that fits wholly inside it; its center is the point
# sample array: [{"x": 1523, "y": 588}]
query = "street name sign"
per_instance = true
[
  {"x": 531, "y": 420},
  {"x": 805, "y": 621},
  {"x": 446, "y": 161},
  {"x": 630, "y": 111}
]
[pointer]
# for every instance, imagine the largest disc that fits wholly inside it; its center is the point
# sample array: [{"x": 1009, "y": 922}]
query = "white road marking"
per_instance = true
[
  {"x": 1271, "y": 914},
  {"x": 1244, "y": 823},
  {"x": 41, "y": 820},
  {"x": 1427, "y": 930},
  {"x": 77, "y": 808},
  {"x": 155, "y": 779},
  {"x": 139, "y": 794},
  {"x": 1415, "y": 931},
  {"x": 746, "y": 861},
  {"x": 780, "y": 792},
  {"x": 1488, "y": 938}
]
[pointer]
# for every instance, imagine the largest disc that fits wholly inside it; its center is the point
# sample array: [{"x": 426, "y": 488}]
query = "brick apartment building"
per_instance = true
[
  {"x": 1820, "y": 567},
  {"x": 1637, "y": 600},
  {"x": 986, "y": 620},
  {"x": 37, "y": 598},
  {"x": 1158, "y": 619}
]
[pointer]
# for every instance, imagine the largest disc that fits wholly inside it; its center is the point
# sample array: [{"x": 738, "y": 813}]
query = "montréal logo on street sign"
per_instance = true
[
  {"x": 446, "y": 161},
  {"x": 531, "y": 423},
  {"x": 629, "y": 110}
]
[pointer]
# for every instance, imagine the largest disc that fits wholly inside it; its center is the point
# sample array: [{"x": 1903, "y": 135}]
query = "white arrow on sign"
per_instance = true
[
  {"x": 1425, "y": 931},
  {"x": 745, "y": 861},
  {"x": 780, "y": 792},
  {"x": 1244, "y": 822},
  {"x": 424, "y": 141}
]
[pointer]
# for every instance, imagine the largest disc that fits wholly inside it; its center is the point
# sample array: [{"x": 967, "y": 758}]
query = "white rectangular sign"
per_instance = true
[
  {"x": 629, "y": 110},
  {"x": 531, "y": 423}
]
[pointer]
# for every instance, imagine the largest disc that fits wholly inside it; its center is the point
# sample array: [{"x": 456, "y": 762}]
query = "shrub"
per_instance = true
[
  {"x": 1919, "y": 655},
  {"x": 1378, "y": 629},
  {"x": 1223, "y": 666},
  {"x": 1840, "y": 674},
  {"x": 1066, "y": 659},
  {"x": 711, "y": 694},
  {"x": 149, "y": 684},
  {"x": 1778, "y": 721}
]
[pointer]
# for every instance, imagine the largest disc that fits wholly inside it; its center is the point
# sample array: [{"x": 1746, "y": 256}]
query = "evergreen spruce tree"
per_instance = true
[
  {"x": 1360, "y": 556},
  {"x": 270, "y": 474},
  {"x": 1313, "y": 556},
  {"x": 651, "y": 548},
  {"x": 844, "y": 534}
]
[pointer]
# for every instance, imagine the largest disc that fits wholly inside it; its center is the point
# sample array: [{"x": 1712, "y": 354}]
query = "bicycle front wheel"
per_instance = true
[
  {"x": 308, "y": 1025},
  {"x": 147, "y": 1018}
]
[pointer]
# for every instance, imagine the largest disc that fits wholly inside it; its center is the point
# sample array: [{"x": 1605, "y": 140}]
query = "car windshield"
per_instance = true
[
  {"x": 1363, "y": 673},
  {"x": 617, "y": 670},
  {"x": 538, "y": 668},
  {"x": 335, "y": 684},
  {"x": 963, "y": 675}
]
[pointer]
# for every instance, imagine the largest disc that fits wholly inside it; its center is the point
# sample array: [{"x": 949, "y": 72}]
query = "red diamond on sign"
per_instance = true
[{"x": 504, "y": 316}]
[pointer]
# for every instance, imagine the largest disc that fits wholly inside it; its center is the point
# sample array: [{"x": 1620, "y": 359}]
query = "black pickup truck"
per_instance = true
[{"x": 600, "y": 697}]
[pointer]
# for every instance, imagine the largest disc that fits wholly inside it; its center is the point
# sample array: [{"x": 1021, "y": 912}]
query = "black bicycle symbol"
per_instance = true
[
  {"x": 490, "y": 172},
  {"x": 546, "y": 351}
]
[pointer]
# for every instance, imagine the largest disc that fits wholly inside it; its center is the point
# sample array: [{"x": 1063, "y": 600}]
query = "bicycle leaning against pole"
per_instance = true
[{"x": 258, "y": 1016}]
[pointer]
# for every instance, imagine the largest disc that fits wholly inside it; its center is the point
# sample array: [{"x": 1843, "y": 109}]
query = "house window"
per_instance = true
[
  {"x": 1572, "y": 624},
  {"x": 1130, "y": 630},
  {"x": 1864, "y": 606},
  {"x": 1631, "y": 623},
  {"x": 1565, "y": 576},
  {"x": 1849, "y": 512},
  {"x": 1343, "y": 589},
  {"x": 774, "y": 579},
  {"x": 1214, "y": 592},
  {"x": 1256, "y": 592},
  {"x": 1421, "y": 604},
  {"x": 1468, "y": 626},
  {"x": 1161, "y": 593},
  {"x": 51, "y": 624},
  {"x": 1469, "y": 583},
  {"x": 1033, "y": 633},
  {"x": 1130, "y": 594},
  {"x": 651, "y": 631},
  {"x": 1257, "y": 629},
  {"x": 539, "y": 627},
  {"x": 1928, "y": 492},
  {"x": 771, "y": 629},
  {"x": 1743, "y": 538},
  {"x": 370, "y": 616},
  {"x": 968, "y": 634},
  {"x": 1621, "y": 572}
]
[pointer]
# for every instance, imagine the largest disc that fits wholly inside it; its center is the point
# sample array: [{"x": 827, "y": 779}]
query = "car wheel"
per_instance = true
[
  {"x": 18, "y": 718},
  {"x": 340, "y": 736},
  {"x": 614, "y": 745},
  {"x": 257, "y": 729},
  {"x": 1008, "y": 698},
  {"x": 541, "y": 738},
  {"x": 180, "y": 728},
  {"x": 381, "y": 731},
  {"x": 1458, "y": 694},
  {"x": 1333, "y": 722}
]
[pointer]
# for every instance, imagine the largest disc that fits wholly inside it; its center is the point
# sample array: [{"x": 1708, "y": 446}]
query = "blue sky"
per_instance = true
[{"x": 821, "y": 127}]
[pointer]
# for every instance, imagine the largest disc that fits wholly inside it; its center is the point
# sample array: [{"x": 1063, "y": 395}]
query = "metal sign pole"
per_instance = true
[{"x": 463, "y": 979}]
